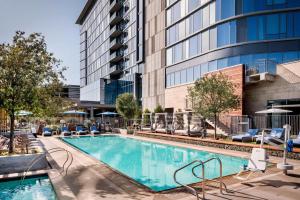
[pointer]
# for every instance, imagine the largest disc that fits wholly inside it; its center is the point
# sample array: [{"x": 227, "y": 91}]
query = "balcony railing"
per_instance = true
[
  {"x": 116, "y": 44},
  {"x": 116, "y": 30},
  {"x": 115, "y": 18},
  {"x": 116, "y": 56},
  {"x": 115, "y": 5},
  {"x": 116, "y": 69},
  {"x": 262, "y": 66}
]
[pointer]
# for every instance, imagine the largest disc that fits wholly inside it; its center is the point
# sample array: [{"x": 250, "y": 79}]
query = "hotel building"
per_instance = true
[
  {"x": 111, "y": 46},
  {"x": 156, "y": 49}
]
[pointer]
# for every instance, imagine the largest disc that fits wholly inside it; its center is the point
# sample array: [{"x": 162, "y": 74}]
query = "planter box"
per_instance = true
[{"x": 20, "y": 163}]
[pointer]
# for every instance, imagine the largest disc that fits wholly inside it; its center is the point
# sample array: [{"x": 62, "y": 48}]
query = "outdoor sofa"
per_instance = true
[{"x": 247, "y": 137}]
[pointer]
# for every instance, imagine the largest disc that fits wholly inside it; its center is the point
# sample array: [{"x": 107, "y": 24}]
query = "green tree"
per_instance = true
[
  {"x": 29, "y": 76},
  {"x": 127, "y": 106},
  {"x": 158, "y": 109},
  {"x": 212, "y": 95}
]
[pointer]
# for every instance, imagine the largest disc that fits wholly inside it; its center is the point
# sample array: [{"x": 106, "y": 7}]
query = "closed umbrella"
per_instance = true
[{"x": 273, "y": 111}]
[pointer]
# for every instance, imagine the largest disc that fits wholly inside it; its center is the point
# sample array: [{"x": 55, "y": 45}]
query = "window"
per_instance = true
[
  {"x": 204, "y": 68},
  {"x": 222, "y": 63},
  {"x": 212, "y": 13},
  {"x": 168, "y": 82},
  {"x": 213, "y": 38},
  {"x": 193, "y": 4},
  {"x": 212, "y": 66},
  {"x": 225, "y": 9},
  {"x": 196, "y": 72},
  {"x": 178, "y": 52},
  {"x": 183, "y": 76},
  {"x": 272, "y": 26},
  {"x": 205, "y": 16},
  {"x": 169, "y": 56},
  {"x": 223, "y": 34},
  {"x": 190, "y": 75},
  {"x": 193, "y": 46},
  {"x": 197, "y": 21},
  {"x": 172, "y": 36},
  {"x": 172, "y": 79},
  {"x": 177, "y": 78},
  {"x": 205, "y": 41},
  {"x": 181, "y": 30}
]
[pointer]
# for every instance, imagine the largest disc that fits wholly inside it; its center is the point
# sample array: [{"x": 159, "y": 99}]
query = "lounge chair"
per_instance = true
[
  {"x": 197, "y": 127},
  {"x": 146, "y": 124},
  {"x": 47, "y": 131},
  {"x": 296, "y": 142},
  {"x": 94, "y": 130},
  {"x": 80, "y": 130},
  {"x": 247, "y": 137},
  {"x": 257, "y": 162},
  {"x": 65, "y": 131},
  {"x": 276, "y": 136}
]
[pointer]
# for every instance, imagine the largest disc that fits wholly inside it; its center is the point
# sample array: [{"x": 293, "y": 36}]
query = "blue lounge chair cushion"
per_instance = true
[
  {"x": 250, "y": 133},
  {"x": 277, "y": 132},
  {"x": 94, "y": 128},
  {"x": 79, "y": 128},
  {"x": 65, "y": 129}
]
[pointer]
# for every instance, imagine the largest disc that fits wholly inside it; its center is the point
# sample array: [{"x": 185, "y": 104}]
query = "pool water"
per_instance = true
[
  {"x": 153, "y": 164},
  {"x": 38, "y": 188}
]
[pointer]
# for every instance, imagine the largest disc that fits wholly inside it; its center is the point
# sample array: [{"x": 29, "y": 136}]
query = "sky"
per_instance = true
[{"x": 55, "y": 19}]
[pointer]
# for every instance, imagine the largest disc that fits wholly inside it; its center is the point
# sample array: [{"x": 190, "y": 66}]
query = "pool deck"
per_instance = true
[{"x": 90, "y": 179}]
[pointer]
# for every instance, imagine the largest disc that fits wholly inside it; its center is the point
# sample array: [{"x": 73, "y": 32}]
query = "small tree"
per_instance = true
[
  {"x": 212, "y": 95},
  {"x": 127, "y": 106},
  {"x": 29, "y": 76},
  {"x": 158, "y": 109}
]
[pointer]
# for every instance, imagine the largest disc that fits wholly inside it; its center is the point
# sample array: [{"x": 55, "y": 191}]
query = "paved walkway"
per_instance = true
[{"x": 89, "y": 179}]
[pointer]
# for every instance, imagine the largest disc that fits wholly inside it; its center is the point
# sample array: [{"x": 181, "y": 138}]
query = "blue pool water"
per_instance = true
[
  {"x": 152, "y": 164},
  {"x": 38, "y": 188}
]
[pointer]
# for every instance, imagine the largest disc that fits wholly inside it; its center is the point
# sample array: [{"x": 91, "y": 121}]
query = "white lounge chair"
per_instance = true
[{"x": 256, "y": 163}]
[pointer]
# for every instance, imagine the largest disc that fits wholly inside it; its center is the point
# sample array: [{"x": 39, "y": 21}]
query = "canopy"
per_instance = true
[
  {"x": 23, "y": 113},
  {"x": 273, "y": 111},
  {"x": 74, "y": 112}
]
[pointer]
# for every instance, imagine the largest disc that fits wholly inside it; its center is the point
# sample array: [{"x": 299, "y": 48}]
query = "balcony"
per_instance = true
[
  {"x": 115, "y": 5},
  {"x": 116, "y": 44},
  {"x": 116, "y": 30},
  {"x": 116, "y": 69},
  {"x": 116, "y": 56},
  {"x": 115, "y": 18}
]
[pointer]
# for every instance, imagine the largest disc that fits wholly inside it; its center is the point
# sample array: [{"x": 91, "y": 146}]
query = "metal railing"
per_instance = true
[
  {"x": 202, "y": 165},
  {"x": 277, "y": 121}
]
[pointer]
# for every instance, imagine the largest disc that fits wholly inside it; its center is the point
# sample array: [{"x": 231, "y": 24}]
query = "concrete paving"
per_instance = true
[{"x": 90, "y": 179}]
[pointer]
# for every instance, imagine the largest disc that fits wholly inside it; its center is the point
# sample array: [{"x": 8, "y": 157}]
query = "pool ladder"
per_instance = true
[
  {"x": 50, "y": 151},
  {"x": 202, "y": 164}
]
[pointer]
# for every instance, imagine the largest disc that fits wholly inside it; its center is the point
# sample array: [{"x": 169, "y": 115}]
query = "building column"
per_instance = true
[{"x": 92, "y": 112}]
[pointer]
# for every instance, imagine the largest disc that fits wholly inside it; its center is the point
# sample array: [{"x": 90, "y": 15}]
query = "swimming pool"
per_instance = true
[
  {"x": 34, "y": 188},
  {"x": 152, "y": 164}
]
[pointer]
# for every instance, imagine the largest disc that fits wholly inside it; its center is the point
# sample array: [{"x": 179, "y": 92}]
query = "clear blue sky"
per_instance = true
[{"x": 55, "y": 19}]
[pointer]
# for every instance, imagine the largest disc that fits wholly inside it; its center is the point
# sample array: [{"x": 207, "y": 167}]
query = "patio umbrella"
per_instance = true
[
  {"x": 107, "y": 114},
  {"x": 273, "y": 111},
  {"x": 23, "y": 113},
  {"x": 74, "y": 112}
]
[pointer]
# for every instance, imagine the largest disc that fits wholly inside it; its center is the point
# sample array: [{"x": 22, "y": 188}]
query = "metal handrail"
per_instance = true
[
  {"x": 221, "y": 173},
  {"x": 192, "y": 190},
  {"x": 201, "y": 163},
  {"x": 52, "y": 150}
]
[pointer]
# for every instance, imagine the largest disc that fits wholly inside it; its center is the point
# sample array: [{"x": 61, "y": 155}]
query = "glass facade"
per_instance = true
[
  {"x": 255, "y": 63},
  {"x": 111, "y": 47},
  {"x": 202, "y": 27}
]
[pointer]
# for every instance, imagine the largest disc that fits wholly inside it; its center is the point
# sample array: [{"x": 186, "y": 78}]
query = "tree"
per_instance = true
[
  {"x": 212, "y": 95},
  {"x": 158, "y": 109},
  {"x": 127, "y": 106},
  {"x": 29, "y": 76}
]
